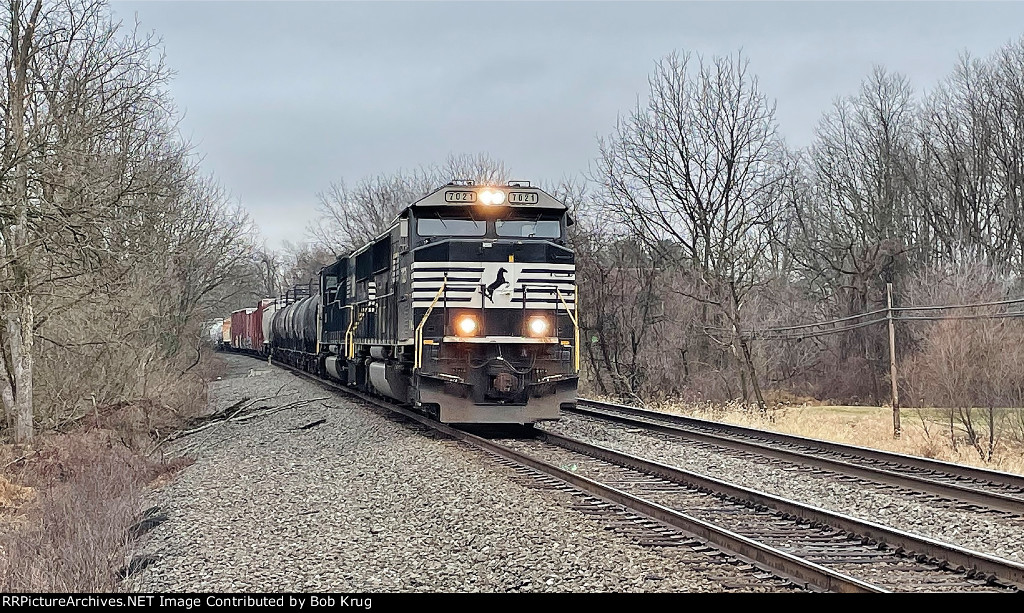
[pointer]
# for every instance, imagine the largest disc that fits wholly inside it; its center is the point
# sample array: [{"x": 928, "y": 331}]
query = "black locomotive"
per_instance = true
[{"x": 465, "y": 308}]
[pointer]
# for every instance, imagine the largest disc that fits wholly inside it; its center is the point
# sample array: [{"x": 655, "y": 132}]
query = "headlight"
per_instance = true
[
  {"x": 466, "y": 325},
  {"x": 492, "y": 196},
  {"x": 538, "y": 326}
]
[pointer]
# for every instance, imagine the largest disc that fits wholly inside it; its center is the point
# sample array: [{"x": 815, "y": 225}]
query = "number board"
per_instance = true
[
  {"x": 459, "y": 195},
  {"x": 522, "y": 198}
]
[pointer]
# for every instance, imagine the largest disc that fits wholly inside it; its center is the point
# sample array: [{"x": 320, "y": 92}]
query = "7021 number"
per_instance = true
[
  {"x": 522, "y": 198},
  {"x": 460, "y": 196}
]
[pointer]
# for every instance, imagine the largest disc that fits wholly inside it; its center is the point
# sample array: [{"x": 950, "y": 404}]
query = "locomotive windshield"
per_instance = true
[
  {"x": 541, "y": 228},
  {"x": 447, "y": 226},
  {"x": 503, "y": 222}
]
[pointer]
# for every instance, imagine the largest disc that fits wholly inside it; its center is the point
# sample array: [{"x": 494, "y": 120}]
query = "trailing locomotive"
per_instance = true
[{"x": 465, "y": 307}]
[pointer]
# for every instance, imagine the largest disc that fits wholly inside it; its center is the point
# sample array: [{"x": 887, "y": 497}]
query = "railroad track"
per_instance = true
[
  {"x": 772, "y": 539},
  {"x": 953, "y": 484},
  {"x": 827, "y": 550}
]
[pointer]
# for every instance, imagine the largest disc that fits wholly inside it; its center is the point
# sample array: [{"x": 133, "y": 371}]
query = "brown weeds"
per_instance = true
[
  {"x": 68, "y": 504},
  {"x": 923, "y": 433}
]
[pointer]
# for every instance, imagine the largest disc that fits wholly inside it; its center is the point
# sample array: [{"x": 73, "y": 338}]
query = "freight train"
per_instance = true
[{"x": 465, "y": 308}]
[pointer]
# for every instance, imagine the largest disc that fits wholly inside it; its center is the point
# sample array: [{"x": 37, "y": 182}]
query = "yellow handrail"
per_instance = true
[
  {"x": 418, "y": 339},
  {"x": 575, "y": 326},
  {"x": 350, "y": 349}
]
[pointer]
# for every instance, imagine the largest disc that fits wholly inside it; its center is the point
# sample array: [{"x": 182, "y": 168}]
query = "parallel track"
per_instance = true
[
  {"x": 955, "y": 483},
  {"x": 862, "y": 555},
  {"x": 813, "y": 548}
]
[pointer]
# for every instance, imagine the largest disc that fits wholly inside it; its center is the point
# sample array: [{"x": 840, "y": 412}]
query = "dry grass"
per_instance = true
[
  {"x": 66, "y": 524},
  {"x": 68, "y": 503},
  {"x": 13, "y": 496},
  {"x": 75, "y": 531},
  {"x": 925, "y": 432}
]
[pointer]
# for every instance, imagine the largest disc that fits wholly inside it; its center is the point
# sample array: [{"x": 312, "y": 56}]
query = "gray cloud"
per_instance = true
[{"x": 282, "y": 98}]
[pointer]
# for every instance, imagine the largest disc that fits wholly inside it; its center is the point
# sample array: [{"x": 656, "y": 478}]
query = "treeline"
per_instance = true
[
  {"x": 708, "y": 248},
  {"x": 720, "y": 231},
  {"x": 114, "y": 247}
]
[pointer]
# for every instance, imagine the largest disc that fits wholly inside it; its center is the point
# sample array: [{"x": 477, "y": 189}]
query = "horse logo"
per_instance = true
[{"x": 499, "y": 280}]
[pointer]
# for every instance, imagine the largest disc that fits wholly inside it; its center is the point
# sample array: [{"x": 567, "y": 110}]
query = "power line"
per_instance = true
[
  {"x": 802, "y": 326},
  {"x": 772, "y": 333},
  {"x": 959, "y": 306},
  {"x": 952, "y": 317},
  {"x": 767, "y": 334},
  {"x": 759, "y": 334}
]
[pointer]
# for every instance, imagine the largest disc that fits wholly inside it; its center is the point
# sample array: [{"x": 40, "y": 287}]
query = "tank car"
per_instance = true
[
  {"x": 293, "y": 330},
  {"x": 268, "y": 307},
  {"x": 465, "y": 307}
]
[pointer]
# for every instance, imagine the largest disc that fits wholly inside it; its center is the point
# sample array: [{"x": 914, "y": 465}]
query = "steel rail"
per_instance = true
[
  {"x": 1005, "y": 479},
  {"x": 1007, "y": 571},
  {"x": 956, "y": 491},
  {"x": 784, "y": 565},
  {"x": 780, "y": 563}
]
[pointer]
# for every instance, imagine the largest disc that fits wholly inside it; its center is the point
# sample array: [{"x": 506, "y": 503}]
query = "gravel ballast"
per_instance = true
[
  {"x": 995, "y": 533},
  {"x": 367, "y": 503}
]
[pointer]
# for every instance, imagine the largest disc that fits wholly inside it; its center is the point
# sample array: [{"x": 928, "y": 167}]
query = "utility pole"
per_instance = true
[{"x": 892, "y": 365}]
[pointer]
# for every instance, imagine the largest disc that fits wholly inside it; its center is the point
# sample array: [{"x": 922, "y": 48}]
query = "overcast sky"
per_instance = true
[{"x": 282, "y": 98}]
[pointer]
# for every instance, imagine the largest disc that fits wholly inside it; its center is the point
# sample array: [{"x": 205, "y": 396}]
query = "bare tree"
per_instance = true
[
  {"x": 302, "y": 262},
  {"x": 969, "y": 366},
  {"x": 480, "y": 168},
  {"x": 972, "y": 142},
  {"x": 271, "y": 267},
  {"x": 351, "y": 217},
  {"x": 114, "y": 249},
  {"x": 83, "y": 125},
  {"x": 1008, "y": 84},
  {"x": 696, "y": 174},
  {"x": 17, "y": 297},
  {"x": 959, "y": 191},
  {"x": 615, "y": 280},
  {"x": 857, "y": 221}
]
